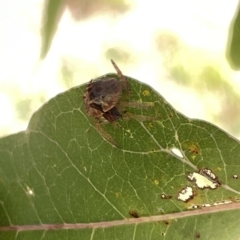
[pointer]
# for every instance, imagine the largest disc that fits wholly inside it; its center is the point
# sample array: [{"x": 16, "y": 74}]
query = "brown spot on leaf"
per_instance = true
[
  {"x": 134, "y": 214},
  {"x": 193, "y": 148},
  {"x": 197, "y": 235}
]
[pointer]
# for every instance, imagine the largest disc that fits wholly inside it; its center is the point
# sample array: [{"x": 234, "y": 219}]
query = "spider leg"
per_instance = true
[
  {"x": 112, "y": 115},
  {"x": 140, "y": 118},
  {"x": 127, "y": 111},
  {"x": 135, "y": 104},
  {"x": 120, "y": 75},
  {"x": 105, "y": 135}
]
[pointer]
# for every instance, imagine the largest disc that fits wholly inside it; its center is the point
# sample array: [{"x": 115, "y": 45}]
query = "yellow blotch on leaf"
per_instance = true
[
  {"x": 156, "y": 181},
  {"x": 145, "y": 93}
]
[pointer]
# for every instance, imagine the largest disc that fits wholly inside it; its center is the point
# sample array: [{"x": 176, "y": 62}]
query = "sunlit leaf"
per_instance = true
[{"x": 61, "y": 178}]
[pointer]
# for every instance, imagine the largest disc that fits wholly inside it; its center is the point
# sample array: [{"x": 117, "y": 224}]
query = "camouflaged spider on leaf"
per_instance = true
[
  {"x": 102, "y": 95},
  {"x": 102, "y": 99}
]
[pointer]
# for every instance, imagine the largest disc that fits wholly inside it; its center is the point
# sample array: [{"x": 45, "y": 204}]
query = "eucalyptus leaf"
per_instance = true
[
  {"x": 62, "y": 179},
  {"x": 52, "y": 13},
  {"x": 233, "y": 46}
]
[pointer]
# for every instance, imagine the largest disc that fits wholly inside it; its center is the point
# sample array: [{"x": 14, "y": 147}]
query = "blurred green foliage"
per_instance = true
[
  {"x": 51, "y": 16},
  {"x": 233, "y": 47},
  {"x": 118, "y": 54},
  {"x": 190, "y": 67},
  {"x": 180, "y": 74},
  {"x": 23, "y": 108},
  {"x": 80, "y": 9}
]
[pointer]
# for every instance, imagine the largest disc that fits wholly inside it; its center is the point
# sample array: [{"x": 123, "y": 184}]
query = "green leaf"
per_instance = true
[
  {"x": 233, "y": 48},
  {"x": 51, "y": 16},
  {"x": 61, "y": 178}
]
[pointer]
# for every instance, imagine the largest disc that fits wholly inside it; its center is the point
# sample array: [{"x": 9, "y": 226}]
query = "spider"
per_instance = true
[
  {"x": 102, "y": 95},
  {"x": 101, "y": 99}
]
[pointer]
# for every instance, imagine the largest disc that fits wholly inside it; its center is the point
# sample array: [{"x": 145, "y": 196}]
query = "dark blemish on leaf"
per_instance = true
[
  {"x": 208, "y": 173},
  {"x": 164, "y": 196},
  {"x": 134, "y": 214},
  {"x": 194, "y": 149},
  {"x": 197, "y": 235},
  {"x": 150, "y": 124}
]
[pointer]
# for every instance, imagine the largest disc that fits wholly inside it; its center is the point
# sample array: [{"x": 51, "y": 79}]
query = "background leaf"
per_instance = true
[
  {"x": 233, "y": 50},
  {"x": 51, "y": 16},
  {"x": 61, "y": 171}
]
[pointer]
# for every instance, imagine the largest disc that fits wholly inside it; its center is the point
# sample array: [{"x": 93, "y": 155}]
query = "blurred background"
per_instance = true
[{"x": 177, "y": 47}]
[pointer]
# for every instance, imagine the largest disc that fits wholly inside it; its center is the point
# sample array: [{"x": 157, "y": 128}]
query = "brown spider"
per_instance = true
[
  {"x": 102, "y": 95},
  {"x": 101, "y": 99}
]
